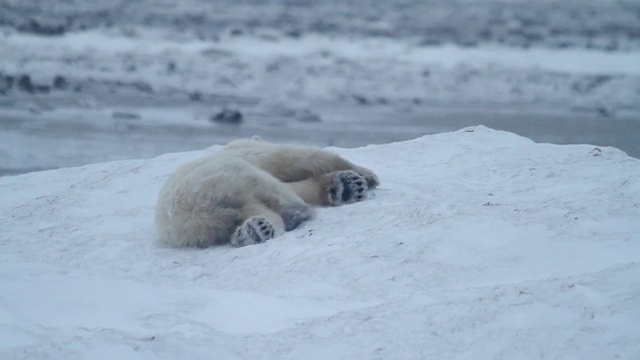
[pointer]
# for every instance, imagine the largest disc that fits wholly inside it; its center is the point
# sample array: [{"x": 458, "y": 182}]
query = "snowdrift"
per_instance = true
[{"x": 479, "y": 244}]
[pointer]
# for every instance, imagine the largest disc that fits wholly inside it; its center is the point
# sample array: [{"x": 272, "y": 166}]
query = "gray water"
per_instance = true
[{"x": 31, "y": 142}]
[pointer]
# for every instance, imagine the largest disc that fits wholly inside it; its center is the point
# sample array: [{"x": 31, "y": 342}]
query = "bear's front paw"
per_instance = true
[
  {"x": 347, "y": 187},
  {"x": 255, "y": 230}
]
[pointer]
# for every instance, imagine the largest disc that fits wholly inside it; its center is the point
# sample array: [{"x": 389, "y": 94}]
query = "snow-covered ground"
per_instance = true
[
  {"x": 479, "y": 244},
  {"x": 271, "y": 68},
  {"x": 568, "y": 54}
]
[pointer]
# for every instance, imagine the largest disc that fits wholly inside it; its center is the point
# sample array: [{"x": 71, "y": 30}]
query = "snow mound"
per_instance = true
[{"x": 478, "y": 244}]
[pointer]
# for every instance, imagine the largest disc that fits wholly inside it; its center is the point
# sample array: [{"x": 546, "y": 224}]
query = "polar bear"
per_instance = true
[{"x": 252, "y": 190}]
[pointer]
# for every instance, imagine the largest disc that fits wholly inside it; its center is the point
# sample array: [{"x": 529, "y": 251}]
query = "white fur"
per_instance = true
[{"x": 247, "y": 187}]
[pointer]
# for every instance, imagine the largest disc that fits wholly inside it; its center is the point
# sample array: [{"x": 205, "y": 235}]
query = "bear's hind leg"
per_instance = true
[
  {"x": 289, "y": 206},
  {"x": 333, "y": 189},
  {"x": 291, "y": 164},
  {"x": 261, "y": 224}
]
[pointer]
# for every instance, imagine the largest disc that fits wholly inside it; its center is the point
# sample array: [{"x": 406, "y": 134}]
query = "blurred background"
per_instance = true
[{"x": 84, "y": 81}]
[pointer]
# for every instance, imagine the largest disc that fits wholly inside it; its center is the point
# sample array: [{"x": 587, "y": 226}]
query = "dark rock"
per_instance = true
[
  {"x": 41, "y": 27},
  {"x": 294, "y": 33},
  {"x": 142, "y": 86},
  {"x": 468, "y": 43},
  {"x": 324, "y": 26},
  {"x": 9, "y": 80},
  {"x": 6, "y": 83},
  {"x": 60, "y": 83},
  {"x": 361, "y": 100},
  {"x": 605, "y": 111},
  {"x": 431, "y": 41},
  {"x": 227, "y": 116},
  {"x": 307, "y": 115},
  {"x": 123, "y": 115},
  {"x": 272, "y": 67},
  {"x": 25, "y": 84},
  {"x": 588, "y": 83},
  {"x": 34, "y": 110},
  {"x": 236, "y": 32}
]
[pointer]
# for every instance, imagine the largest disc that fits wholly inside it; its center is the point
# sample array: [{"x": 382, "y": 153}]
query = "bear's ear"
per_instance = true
[{"x": 256, "y": 138}]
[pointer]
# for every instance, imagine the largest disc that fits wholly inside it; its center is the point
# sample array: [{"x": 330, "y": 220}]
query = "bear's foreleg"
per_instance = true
[{"x": 276, "y": 209}]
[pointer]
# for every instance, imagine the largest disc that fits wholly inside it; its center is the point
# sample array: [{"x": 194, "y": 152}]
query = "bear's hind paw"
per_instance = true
[
  {"x": 255, "y": 230},
  {"x": 348, "y": 187}
]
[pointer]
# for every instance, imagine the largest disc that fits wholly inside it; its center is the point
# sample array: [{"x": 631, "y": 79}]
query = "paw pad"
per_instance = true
[
  {"x": 348, "y": 187},
  {"x": 255, "y": 230}
]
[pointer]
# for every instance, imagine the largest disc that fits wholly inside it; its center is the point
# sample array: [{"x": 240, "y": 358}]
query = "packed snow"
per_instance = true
[{"x": 478, "y": 244}]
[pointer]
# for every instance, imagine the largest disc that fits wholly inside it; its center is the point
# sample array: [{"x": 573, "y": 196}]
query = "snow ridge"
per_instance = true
[{"x": 478, "y": 244}]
